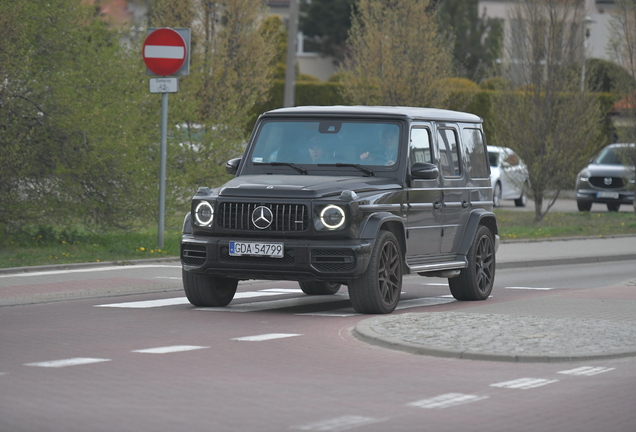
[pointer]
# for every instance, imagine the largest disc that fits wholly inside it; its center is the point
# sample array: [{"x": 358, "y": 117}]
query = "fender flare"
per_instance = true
[
  {"x": 477, "y": 217},
  {"x": 372, "y": 225},
  {"x": 187, "y": 224}
]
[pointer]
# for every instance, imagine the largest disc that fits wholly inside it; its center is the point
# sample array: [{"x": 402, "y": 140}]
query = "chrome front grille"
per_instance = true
[{"x": 286, "y": 217}]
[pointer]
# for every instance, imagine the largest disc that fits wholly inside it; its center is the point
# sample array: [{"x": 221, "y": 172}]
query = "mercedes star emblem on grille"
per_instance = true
[{"x": 262, "y": 217}]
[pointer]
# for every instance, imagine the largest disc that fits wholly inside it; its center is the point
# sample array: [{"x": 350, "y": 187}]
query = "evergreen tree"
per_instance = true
[{"x": 478, "y": 39}]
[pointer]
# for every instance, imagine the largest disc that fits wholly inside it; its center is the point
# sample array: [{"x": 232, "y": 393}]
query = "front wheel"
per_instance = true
[
  {"x": 208, "y": 291},
  {"x": 378, "y": 290},
  {"x": 522, "y": 201},
  {"x": 584, "y": 206},
  {"x": 475, "y": 281},
  {"x": 319, "y": 288}
]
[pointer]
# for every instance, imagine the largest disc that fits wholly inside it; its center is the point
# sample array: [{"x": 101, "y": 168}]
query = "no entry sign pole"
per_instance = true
[{"x": 166, "y": 52}]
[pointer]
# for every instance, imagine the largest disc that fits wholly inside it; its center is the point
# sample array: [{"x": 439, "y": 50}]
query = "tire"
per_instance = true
[
  {"x": 378, "y": 289},
  {"x": 584, "y": 206},
  {"x": 208, "y": 291},
  {"x": 476, "y": 281},
  {"x": 496, "y": 195},
  {"x": 522, "y": 201},
  {"x": 319, "y": 288},
  {"x": 613, "y": 207}
]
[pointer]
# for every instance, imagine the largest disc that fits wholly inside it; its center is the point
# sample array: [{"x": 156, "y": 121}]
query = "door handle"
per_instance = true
[
  {"x": 465, "y": 204},
  {"x": 437, "y": 205}
]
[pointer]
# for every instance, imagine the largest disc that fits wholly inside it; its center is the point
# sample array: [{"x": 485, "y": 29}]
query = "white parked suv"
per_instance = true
[{"x": 508, "y": 176}]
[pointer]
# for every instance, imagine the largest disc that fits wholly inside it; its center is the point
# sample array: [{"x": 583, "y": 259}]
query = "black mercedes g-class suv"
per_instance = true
[{"x": 348, "y": 195}]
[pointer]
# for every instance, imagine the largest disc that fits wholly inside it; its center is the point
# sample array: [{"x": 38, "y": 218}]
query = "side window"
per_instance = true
[
  {"x": 420, "y": 147},
  {"x": 448, "y": 152},
  {"x": 512, "y": 159},
  {"x": 476, "y": 152}
]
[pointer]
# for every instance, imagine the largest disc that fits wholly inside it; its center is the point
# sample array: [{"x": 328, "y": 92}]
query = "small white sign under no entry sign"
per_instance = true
[{"x": 163, "y": 85}]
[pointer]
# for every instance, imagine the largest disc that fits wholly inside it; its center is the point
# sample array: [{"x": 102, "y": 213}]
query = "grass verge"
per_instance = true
[
  {"x": 48, "y": 246},
  {"x": 521, "y": 225}
]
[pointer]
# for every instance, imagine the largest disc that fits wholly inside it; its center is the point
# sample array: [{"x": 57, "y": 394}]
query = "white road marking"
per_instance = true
[
  {"x": 436, "y": 284},
  {"x": 524, "y": 383},
  {"x": 89, "y": 270},
  {"x": 403, "y": 304},
  {"x": 67, "y": 362},
  {"x": 264, "y": 337},
  {"x": 179, "y": 301},
  {"x": 447, "y": 400},
  {"x": 302, "y": 300},
  {"x": 587, "y": 371},
  {"x": 276, "y": 304},
  {"x": 169, "y": 277},
  {"x": 147, "y": 303},
  {"x": 284, "y": 290},
  {"x": 339, "y": 423},
  {"x": 530, "y": 288},
  {"x": 170, "y": 349}
]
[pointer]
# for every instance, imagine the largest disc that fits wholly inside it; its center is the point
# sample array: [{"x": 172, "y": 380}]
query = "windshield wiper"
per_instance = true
[
  {"x": 359, "y": 167},
  {"x": 289, "y": 164}
]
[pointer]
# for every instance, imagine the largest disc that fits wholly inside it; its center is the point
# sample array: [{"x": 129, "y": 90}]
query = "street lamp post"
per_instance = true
[{"x": 587, "y": 30}]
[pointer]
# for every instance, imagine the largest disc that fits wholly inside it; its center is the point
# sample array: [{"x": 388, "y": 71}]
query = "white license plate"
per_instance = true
[
  {"x": 613, "y": 195},
  {"x": 272, "y": 250}
]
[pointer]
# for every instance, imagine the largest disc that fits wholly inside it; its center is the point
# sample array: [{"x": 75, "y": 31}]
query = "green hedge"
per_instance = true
[{"x": 478, "y": 102}]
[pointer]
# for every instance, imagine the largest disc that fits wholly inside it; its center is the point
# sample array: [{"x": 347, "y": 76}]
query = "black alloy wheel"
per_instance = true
[
  {"x": 476, "y": 281},
  {"x": 378, "y": 290}
]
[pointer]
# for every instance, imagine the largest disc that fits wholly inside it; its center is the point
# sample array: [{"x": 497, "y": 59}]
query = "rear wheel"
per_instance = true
[
  {"x": 475, "y": 281},
  {"x": 496, "y": 195},
  {"x": 378, "y": 290},
  {"x": 319, "y": 288},
  {"x": 208, "y": 291}
]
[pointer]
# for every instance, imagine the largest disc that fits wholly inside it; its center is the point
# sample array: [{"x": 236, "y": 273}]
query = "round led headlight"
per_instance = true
[
  {"x": 333, "y": 217},
  {"x": 204, "y": 213}
]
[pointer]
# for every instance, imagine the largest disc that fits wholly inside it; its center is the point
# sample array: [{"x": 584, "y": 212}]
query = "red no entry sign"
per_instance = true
[{"x": 164, "y": 51}]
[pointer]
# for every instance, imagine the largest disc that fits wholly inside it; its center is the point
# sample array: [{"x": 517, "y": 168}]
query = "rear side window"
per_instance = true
[
  {"x": 476, "y": 152},
  {"x": 448, "y": 152}
]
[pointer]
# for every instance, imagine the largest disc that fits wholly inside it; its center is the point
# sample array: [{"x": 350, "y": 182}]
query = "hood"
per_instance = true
[
  {"x": 595, "y": 170},
  {"x": 302, "y": 186}
]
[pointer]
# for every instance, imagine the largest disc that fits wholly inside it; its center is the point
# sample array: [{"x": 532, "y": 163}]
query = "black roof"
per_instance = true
[{"x": 415, "y": 113}]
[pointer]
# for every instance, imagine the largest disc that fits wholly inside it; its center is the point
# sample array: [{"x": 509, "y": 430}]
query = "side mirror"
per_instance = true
[
  {"x": 424, "y": 171},
  {"x": 232, "y": 165}
]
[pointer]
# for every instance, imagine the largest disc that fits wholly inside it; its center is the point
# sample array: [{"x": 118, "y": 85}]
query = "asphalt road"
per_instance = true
[{"x": 279, "y": 360}]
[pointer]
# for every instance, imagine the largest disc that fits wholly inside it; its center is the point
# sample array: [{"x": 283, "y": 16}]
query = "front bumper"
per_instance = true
[
  {"x": 304, "y": 260},
  {"x": 592, "y": 195}
]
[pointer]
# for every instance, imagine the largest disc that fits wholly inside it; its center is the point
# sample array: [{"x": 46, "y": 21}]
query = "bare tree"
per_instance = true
[
  {"x": 548, "y": 120},
  {"x": 622, "y": 49},
  {"x": 396, "y": 56}
]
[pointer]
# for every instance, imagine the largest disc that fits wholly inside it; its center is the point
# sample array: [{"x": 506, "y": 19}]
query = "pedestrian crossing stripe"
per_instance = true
[
  {"x": 587, "y": 371},
  {"x": 524, "y": 383}
]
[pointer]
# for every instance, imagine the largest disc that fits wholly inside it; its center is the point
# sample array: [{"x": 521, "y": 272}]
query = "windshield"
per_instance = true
[
  {"x": 612, "y": 156},
  {"x": 326, "y": 143}
]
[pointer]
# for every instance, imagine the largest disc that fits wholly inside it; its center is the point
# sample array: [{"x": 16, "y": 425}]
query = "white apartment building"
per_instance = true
[{"x": 599, "y": 11}]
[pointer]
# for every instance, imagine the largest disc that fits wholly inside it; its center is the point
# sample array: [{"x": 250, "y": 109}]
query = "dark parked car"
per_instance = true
[
  {"x": 607, "y": 179},
  {"x": 356, "y": 196}
]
